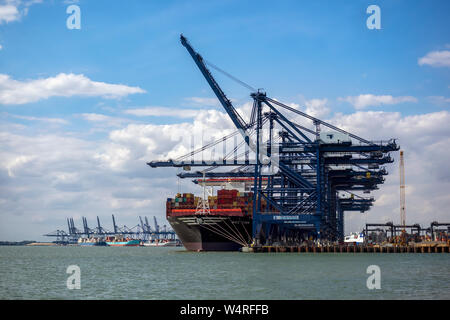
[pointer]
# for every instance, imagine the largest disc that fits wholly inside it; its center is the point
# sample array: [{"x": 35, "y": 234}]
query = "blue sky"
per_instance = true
[
  {"x": 297, "y": 51},
  {"x": 316, "y": 48}
]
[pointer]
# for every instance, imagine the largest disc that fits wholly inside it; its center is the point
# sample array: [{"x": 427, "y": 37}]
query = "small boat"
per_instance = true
[
  {"x": 354, "y": 237},
  {"x": 160, "y": 243}
]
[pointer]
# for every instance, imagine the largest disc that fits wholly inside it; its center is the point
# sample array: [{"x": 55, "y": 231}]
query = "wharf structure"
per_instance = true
[{"x": 412, "y": 248}]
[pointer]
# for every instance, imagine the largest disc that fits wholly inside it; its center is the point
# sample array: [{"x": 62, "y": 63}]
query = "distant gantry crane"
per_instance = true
[
  {"x": 141, "y": 231},
  {"x": 300, "y": 173}
]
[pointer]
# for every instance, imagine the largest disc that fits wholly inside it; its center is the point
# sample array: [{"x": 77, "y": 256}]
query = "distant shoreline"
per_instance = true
[{"x": 18, "y": 243}]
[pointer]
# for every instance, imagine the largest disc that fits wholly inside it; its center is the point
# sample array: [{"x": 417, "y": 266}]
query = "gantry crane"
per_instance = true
[
  {"x": 144, "y": 233},
  {"x": 305, "y": 169}
]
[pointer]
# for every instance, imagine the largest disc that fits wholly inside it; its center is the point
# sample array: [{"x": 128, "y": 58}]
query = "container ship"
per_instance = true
[
  {"x": 91, "y": 242},
  {"x": 216, "y": 223},
  {"x": 119, "y": 241}
]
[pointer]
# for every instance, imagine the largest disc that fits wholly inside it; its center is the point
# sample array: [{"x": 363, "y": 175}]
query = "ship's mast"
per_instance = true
[{"x": 203, "y": 204}]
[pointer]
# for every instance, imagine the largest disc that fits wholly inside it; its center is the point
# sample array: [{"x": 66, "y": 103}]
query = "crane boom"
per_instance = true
[
  {"x": 114, "y": 224},
  {"x": 156, "y": 224},
  {"x": 98, "y": 225},
  {"x": 226, "y": 103},
  {"x": 147, "y": 225}
]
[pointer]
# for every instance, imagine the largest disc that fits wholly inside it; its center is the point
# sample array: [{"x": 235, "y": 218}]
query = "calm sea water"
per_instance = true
[{"x": 172, "y": 273}]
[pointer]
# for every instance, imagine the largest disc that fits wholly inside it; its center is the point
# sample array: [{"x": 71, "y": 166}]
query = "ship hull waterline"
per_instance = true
[{"x": 212, "y": 233}]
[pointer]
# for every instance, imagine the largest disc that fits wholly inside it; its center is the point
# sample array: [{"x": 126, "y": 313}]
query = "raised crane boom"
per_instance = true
[
  {"x": 156, "y": 224},
  {"x": 226, "y": 103}
]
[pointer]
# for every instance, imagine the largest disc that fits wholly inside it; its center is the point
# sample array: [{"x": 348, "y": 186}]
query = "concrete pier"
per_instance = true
[{"x": 418, "y": 248}]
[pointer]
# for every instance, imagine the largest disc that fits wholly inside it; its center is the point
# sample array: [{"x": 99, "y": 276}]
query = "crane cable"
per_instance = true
[{"x": 242, "y": 83}]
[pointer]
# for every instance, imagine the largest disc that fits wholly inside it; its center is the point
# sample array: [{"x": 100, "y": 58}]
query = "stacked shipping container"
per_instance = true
[{"x": 227, "y": 202}]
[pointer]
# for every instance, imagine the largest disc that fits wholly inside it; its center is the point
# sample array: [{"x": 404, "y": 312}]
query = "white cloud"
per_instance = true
[
  {"x": 1, "y": 47},
  {"x": 365, "y": 100},
  {"x": 317, "y": 107},
  {"x": 95, "y": 117},
  {"x": 16, "y": 162},
  {"x": 439, "y": 100},
  {"x": 163, "y": 112},
  {"x": 13, "y": 10},
  {"x": 8, "y": 13},
  {"x": 423, "y": 139},
  {"x": 105, "y": 120},
  {"x": 436, "y": 59},
  {"x": 203, "y": 102},
  {"x": 43, "y": 119},
  {"x": 62, "y": 85},
  {"x": 114, "y": 156},
  {"x": 110, "y": 175}
]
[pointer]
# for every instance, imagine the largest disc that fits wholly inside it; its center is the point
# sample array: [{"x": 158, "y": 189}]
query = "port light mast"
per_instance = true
[{"x": 402, "y": 191}]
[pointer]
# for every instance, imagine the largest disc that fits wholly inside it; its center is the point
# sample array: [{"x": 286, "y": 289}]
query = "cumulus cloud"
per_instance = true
[
  {"x": 422, "y": 137},
  {"x": 110, "y": 175},
  {"x": 317, "y": 107},
  {"x": 13, "y": 10},
  {"x": 8, "y": 13},
  {"x": 436, "y": 59},
  {"x": 46, "y": 178},
  {"x": 427, "y": 174},
  {"x": 366, "y": 100},
  {"x": 62, "y": 85}
]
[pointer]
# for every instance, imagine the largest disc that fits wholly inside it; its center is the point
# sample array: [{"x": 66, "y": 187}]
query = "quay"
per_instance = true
[{"x": 418, "y": 248}]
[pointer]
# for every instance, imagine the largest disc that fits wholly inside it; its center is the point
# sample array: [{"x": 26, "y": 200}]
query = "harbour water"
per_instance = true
[{"x": 172, "y": 273}]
